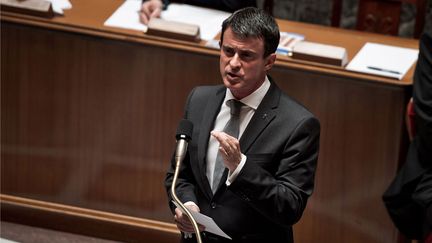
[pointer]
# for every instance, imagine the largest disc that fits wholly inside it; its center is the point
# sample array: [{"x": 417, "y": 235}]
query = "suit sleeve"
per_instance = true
[
  {"x": 164, "y": 2},
  {"x": 282, "y": 196},
  {"x": 234, "y": 5}
]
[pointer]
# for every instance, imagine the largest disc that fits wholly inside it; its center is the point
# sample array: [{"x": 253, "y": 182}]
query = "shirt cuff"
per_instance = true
[
  {"x": 233, "y": 175},
  {"x": 190, "y": 203}
]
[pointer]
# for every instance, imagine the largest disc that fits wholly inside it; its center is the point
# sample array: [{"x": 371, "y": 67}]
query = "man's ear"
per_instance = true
[{"x": 271, "y": 59}]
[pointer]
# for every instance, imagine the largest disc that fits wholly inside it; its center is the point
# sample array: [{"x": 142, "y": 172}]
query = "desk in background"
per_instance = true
[{"x": 88, "y": 117}]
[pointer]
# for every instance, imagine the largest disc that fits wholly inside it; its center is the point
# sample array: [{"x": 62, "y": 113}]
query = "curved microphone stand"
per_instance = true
[{"x": 185, "y": 126}]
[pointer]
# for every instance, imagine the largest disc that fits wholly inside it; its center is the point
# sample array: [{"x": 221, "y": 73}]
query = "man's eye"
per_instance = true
[
  {"x": 229, "y": 51},
  {"x": 246, "y": 55}
]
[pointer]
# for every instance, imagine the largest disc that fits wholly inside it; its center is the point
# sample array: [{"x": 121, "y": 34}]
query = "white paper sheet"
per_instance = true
[
  {"x": 287, "y": 42},
  {"x": 383, "y": 60},
  {"x": 59, "y": 5},
  {"x": 127, "y": 16},
  {"x": 209, "y": 20},
  {"x": 207, "y": 222}
]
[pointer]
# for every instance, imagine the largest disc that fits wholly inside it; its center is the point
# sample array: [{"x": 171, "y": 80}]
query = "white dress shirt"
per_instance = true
[{"x": 251, "y": 102}]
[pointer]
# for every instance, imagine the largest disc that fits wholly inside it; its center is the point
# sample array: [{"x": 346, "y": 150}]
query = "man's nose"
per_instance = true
[{"x": 235, "y": 62}]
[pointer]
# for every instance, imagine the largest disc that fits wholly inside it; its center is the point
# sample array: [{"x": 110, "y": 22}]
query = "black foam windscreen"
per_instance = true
[{"x": 184, "y": 130}]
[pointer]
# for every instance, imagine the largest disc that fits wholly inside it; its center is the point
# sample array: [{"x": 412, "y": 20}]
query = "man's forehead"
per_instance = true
[
  {"x": 241, "y": 36},
  {"x": 241, "y": 42},
  {"x": 240, "y": 48}
]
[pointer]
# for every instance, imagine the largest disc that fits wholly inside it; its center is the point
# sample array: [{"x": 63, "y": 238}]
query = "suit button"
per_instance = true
[{"x": 213, "y": 205}]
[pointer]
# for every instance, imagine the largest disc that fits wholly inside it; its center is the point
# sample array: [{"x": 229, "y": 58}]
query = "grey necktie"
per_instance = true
[{"x": 231, "y": 128}]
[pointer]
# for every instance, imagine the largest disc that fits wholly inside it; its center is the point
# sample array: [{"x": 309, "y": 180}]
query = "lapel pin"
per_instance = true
[{"x": 264, "y": 116}]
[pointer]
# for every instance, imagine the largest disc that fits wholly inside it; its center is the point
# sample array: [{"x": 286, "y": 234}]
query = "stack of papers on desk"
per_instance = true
[
  {"x": 321, "y": 53},
  {"x": 287, "y": 42},
  {"x": 209, "y": 20},
  {"x": 383, "y": 60}
]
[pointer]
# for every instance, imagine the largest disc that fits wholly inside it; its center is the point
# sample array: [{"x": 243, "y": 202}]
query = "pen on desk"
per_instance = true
[{"x": 383, "y": 70}]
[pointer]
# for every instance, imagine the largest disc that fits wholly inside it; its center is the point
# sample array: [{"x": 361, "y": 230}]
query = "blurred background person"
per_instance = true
[
  {"x": 409, "y": 198},
  {"x": 153, "y": 8}
]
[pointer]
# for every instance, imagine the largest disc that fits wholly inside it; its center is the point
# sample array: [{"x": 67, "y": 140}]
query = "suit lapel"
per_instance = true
[
  {"x": 264, "y": 114},
  {"x": 210, "y": 113}
]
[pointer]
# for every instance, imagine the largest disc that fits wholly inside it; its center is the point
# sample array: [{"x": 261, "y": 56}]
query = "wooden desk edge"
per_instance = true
[{"x": 193, "y": 47}]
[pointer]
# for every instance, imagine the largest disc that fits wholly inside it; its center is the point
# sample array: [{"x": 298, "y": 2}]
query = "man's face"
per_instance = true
[{"x": 242, "y": 65}]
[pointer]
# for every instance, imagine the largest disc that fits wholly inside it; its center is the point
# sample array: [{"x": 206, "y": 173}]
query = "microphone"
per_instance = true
[{"x": 183, "y": 136}]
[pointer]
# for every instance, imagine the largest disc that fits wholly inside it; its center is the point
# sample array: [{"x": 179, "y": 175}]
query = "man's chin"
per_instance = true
[
  {"x": 231, "y": 85},
  {"x": 232, "y": 81}
]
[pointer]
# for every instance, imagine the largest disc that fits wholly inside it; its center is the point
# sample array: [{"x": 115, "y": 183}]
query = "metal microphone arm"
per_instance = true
[{"x": 179, "y": 156}]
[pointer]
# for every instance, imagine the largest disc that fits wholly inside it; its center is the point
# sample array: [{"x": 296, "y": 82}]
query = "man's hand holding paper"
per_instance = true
[
  {"x": 182, "y": 221},
  {"x": 205, "y": 223}
]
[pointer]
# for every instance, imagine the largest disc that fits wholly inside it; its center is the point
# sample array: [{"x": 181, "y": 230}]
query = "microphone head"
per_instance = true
[{"x": 184, "y": 130}]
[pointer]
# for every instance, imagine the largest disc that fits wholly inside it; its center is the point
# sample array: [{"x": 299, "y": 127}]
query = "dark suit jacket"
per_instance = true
[
  {"x": 409, "y": 197},
  {"x": 270, "y": 193}
]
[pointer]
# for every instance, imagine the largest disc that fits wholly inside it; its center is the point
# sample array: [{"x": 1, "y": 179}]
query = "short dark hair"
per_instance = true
[{"x": 254, "y": 22}]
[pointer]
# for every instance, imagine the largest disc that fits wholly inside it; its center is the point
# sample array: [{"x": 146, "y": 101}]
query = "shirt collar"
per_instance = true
[{"x": 253, "y": 100}]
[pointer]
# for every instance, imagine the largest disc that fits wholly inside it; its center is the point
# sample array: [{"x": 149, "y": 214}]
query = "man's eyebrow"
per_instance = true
[
  {"x": 247, "y": 51},
  {"x": 239, "y": 50}
]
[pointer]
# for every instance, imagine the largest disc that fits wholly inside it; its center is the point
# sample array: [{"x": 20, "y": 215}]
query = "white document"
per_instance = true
[
  {"x": 287, "y": 42},
  {"x": 384, "y": 60},
  {"x": 209, "y": 20},
  {"x": 207, "y": 222},
  {"x": 59, "y": 5},
  {"x": 127, "y": 16}
]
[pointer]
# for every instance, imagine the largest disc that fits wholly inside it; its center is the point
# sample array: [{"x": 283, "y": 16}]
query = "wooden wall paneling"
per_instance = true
[
  {"x": 97, "y": 130},
  {"x": 359, "y": 153}
]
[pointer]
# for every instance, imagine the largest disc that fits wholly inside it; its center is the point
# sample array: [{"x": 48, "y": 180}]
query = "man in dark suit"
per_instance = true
[
  {"x": 270, "y": 167},
  {"x": 153, "y": 8},
  {"x": 409, "y": 197}
]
